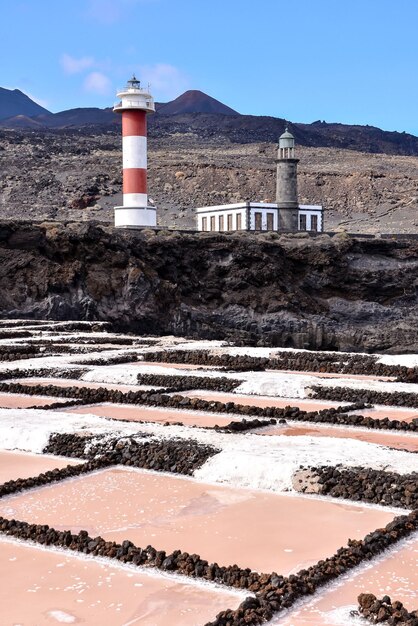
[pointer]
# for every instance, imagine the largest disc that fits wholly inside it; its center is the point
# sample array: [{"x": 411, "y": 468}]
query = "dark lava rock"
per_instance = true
[{"x": 321, "y": 293}]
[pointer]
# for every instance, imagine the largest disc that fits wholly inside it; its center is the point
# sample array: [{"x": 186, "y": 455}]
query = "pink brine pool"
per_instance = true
[
  {"x": 263, "y": 401},
  {"x": 20, "y": 401},
  {"x": 336, "y": 375},
  {"x": 393, "y": 413},
  {"x": 390, "y": 439},
  {"x": 177, "y": 366},
  {"x": 260, "y": 530},
  {"x": 14, "y": 465},
  {"x": 48, "y": 587},
  {"x": 68, "y": 382},
  {"x": 394, "y": 574},
  {"x": 146, "y": 414}
]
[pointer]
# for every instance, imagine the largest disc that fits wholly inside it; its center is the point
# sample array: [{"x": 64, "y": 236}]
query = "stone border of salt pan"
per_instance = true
[
  {"x": 360, "y": 569},
  {"x": 150, "y": 571}
]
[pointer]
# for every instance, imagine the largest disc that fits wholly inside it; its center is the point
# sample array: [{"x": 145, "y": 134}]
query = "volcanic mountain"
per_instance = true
[
  {"x": 194, "y": 101},
  {"x": 15, "y": 117},
  {"x": 15, "y": 103},
  {"x": 78, "y": 117},
  {"x": 206, "y": 117}
]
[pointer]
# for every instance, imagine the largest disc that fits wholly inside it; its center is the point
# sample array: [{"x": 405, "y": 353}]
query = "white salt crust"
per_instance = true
[
  {"x": 30, "y": 429},
  {"x": 281, "y": 384},
  {"x": 245, "y": 460}
]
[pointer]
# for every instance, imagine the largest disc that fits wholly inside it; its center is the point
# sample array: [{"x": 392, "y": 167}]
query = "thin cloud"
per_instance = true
[
  {"x": 71, "y": 65},
  {"x": 98, "y": 83},
  {"x": 166, "y": 81},
  {"x": 110, "y": 11},
  {"x": 103, "y": 11}
]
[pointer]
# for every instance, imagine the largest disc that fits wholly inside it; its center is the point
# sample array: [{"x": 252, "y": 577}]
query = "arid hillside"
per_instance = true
[{"x": 76, "y": 174}]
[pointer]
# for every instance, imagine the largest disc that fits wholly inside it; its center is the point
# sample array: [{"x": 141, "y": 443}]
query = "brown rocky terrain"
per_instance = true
[
  {"x": 267, "y": 289},
  {"x": 76, "y": 174}
]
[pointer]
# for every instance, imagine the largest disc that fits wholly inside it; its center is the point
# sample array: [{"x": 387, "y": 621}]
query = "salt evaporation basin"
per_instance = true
[
  {"x": 145, "y": 414},
  {"x": 394, "y": 574},
  {"x": 391, "y": 439},
  {"x": 68, "y": 382},
  {"x": 393, "y": 413},
  {"x": 20, "y": 401},
  {"x": 43, "y": 586},
  {"x": 263, "y": 401},
  {"x": 255, "y": 529},
  {"x": 334, "y": 375},
  {"x": 14, "y": 465},
  {"x": 176, "y": 366}
]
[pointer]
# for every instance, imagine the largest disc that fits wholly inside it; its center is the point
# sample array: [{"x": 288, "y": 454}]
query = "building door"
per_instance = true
[
  {"x": 239, "y": 221},
  {"x": 229, "y": 221},
  {"x": 314, "y": 222},
  {"x": 221, "y": 223},
  {"x": 257, "y": 219},
  {"x": 270, "y": 221},
  {"x": 302, "y": 222},
  {"x": 204, "y": 223},
  {"x": 212, "y": 222}
]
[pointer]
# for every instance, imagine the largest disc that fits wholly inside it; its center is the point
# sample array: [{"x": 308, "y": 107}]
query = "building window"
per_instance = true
[
  {"x": 302, "y": 222},
  {"x": 257, "y": 218},
  {"x": 270, "y": 221},
  {"x": 229, "y": 221},
  {"x": 204, "y": 223},
  {"x": 239, "y": 222},
  {"x": 212, "y": 222},
  {"x": 221, "y": 223},
  {"x": 314, "y": 222}
]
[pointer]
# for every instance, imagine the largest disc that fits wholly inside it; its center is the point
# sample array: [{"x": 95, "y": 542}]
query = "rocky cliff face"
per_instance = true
[{"x": 323, "y": 293}]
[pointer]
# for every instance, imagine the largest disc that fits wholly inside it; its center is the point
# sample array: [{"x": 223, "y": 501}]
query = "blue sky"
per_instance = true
[{"x": 350, "y": 61}]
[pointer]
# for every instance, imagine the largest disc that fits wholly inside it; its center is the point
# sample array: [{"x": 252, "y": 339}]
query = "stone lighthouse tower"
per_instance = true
[
  {"x": 287, "y": 183},
  {"x": 134, "y": 105}
]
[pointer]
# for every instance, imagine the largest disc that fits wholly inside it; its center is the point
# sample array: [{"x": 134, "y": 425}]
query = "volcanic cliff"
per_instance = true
[{"x": 266, "y": 289}]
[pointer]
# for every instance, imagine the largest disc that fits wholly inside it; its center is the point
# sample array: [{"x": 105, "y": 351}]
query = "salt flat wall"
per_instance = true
[{"x": 270, "y": 289}]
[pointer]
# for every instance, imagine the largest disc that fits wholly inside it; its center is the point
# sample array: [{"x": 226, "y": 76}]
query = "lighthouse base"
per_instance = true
[{"x": 135, "y": 217}]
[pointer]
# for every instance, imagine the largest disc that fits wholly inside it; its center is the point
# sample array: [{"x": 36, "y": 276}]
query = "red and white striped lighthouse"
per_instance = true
[{"x": 134, "y": 105}]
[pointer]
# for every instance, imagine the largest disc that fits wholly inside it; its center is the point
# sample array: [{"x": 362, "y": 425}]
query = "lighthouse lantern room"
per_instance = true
[{"x": 134, "y": 104}]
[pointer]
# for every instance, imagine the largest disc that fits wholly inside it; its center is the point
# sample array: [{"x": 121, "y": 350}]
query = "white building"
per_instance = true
[
  {"x": 255, "y": 216},
  {"x": 285, "y": 215}
]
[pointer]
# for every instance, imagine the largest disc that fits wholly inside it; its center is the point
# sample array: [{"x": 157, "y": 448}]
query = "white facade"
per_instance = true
[
  {"x": 134, "y": 217},
  {"x": 241, "y": 216},
  {"x": 135, "y": 200},
  {"x": 134, "y": 152},
  {"x": 264, "y": 213},
  {"x": 255, "y": 216},
  {"x": 222, "y": 218},
  {"x": 313, "y": 214}
]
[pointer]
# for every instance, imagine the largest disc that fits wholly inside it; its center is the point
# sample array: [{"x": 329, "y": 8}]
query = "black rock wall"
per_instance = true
[{"x": 321, "y": 293}]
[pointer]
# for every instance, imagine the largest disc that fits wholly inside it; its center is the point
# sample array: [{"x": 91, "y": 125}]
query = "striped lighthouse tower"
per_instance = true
[{"x": 134, "y": 105}]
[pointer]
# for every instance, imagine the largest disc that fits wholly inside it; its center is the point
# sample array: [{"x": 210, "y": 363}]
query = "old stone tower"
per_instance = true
[
  {"x": 284, "y": 215},
  {"x": 287, "y": 182}
]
